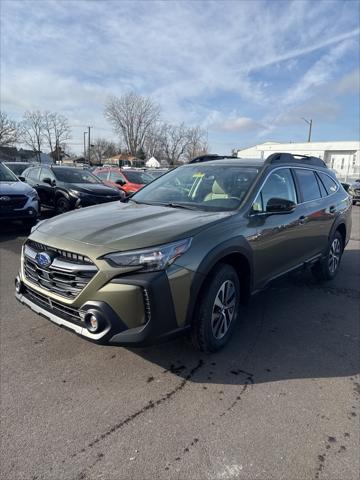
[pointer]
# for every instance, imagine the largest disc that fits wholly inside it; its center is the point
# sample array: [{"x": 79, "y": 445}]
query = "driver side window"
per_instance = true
[{"x": 280, "y": 184}]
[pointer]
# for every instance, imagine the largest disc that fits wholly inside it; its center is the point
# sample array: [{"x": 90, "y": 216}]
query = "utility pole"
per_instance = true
[
  {"x": 309, "y": 122},
  {"x": 89, "y": 144},
  {"x": 85, "y": 133}
]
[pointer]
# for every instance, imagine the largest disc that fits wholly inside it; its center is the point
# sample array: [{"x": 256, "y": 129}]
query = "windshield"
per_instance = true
[
  {"x": 18, "y": 168},
  {"x": 74, "y": 175},
  {"x": 137, "y": 177},
  {"x": 204, "y": 187},
  {"x": 6, "y": 175}
]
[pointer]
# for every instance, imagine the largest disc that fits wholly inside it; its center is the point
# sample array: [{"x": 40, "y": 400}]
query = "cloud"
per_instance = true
[
  {"x": 239, "y": 124},
  {"x": 349, "y": 83},
  {"x": 196, "y": 59}
]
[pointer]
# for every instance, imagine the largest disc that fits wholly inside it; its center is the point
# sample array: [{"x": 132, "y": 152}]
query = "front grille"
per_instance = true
[
  {"x": 12, "y": 202},
  {"x": 63, "y": 277},
  {"x": 68, "y": 256},
  {"x": 57, "y": 308}
]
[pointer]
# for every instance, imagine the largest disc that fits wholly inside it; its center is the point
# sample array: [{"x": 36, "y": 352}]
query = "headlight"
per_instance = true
[
  {"x": 150, "y": 259},
  {"x": 33, "y": 195},
  {"x": 75, "y": 193}
]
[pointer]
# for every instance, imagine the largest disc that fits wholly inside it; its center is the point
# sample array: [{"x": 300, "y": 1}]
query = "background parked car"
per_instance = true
[
  {"x": 158, "y": 172},
  {"x": 18, "y": 201},
  {"x": 128, "y": 180},
  {"x": 66, "y": 188},
  {"x": 18, "y": 167},
  {"x": 354, "y": 191}
]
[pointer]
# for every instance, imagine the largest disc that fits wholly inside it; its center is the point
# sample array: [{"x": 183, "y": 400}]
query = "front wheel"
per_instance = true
[
  {"x": 218, "y": 309},
  {"x": 328, "y": 267},
  {"x": 62, "y": 205}
]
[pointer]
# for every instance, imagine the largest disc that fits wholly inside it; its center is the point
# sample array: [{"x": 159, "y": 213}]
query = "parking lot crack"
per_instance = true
[{"x": 143, "y": 410}]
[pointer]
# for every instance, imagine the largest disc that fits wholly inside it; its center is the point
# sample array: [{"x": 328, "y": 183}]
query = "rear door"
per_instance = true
[{"x": 319, "y": 211}]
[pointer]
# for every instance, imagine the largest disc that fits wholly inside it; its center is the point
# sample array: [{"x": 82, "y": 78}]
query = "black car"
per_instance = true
[{"x": 66, "y": 188}]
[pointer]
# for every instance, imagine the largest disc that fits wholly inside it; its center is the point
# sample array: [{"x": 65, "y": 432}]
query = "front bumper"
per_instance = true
[
  {"x": 29, "y": 211},
  {"x": 159, "y": 319}
]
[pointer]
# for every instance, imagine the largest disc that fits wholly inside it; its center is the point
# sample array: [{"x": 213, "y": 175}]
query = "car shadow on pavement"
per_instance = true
[{"x": 297, "y": 328}]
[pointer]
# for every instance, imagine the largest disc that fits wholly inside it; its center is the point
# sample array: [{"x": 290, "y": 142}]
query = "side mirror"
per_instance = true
[
  {"x": 21, "y": 178},
  {"x": 280, "y": 205},
  {"x": 120, "y": 182}
]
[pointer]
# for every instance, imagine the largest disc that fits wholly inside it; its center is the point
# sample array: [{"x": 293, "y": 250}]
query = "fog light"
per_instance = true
[
  {"x": 93, "y": 322},
  {"x": 18, "y": 285}
]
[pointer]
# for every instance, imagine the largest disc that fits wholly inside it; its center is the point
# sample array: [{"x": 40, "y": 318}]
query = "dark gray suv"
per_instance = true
[{"x": 184, "y": 252}]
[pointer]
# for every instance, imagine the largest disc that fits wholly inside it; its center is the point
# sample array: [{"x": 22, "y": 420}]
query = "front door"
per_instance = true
[{"x": 276, "y": 245}]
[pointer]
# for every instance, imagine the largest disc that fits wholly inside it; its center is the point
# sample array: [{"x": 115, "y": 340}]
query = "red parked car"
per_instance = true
[{"x": 128, "y": 180}]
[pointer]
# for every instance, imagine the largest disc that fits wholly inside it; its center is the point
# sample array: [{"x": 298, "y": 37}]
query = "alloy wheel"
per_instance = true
[
  {"x": 334, "y": 255},
  {"x": 223, "y": 309}
]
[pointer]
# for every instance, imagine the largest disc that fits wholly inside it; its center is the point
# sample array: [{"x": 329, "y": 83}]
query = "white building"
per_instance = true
[{"x": 343, "y": 157}]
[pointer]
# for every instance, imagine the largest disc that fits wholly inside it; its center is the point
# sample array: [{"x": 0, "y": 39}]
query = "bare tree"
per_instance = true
[
  {"x": 9, "y": 131},
  {"x": 101, "y": 149},
  {"x": 132, "y": 116},
  {"x": 33, "y": 132},
  {"x": 153, "y": 145},
  {"x": 56, "y": 131},
  {"x": 197, "y": 143},
  {"x": 175, "y": 140}
]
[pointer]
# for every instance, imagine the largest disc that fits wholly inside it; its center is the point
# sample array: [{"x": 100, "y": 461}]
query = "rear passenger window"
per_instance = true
[
  {"x": 328, "y": 182},
  {"x": 308, "y": 184}
]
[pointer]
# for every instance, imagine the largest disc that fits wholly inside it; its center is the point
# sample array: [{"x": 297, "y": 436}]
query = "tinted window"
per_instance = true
[
  {"x": 328, "y": 182},
  {"x": 103, "y": 175},
  {"x": 114, "y": 176},
  {"x": 6, "y": 175},
  {"x": 308, "y": 184},
  {"x": 74, "y": 175},
  {"x": 46, "y": 173},
  {"x": 17, "y": 168},
  {"x": 33, "y": 173},
  {"x": 280, "y": 184},
  {"x": 138, "y": 177},
  {"x": 321, "y": 186}
]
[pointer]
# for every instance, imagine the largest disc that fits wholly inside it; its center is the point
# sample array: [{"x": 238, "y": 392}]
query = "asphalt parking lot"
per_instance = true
[{"x": 280, "y": 402}]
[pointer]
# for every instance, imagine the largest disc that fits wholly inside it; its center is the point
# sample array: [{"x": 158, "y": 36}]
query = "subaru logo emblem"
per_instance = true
[
  {"x": 43, "y": 259},
  {"x": 5, "y": 199}
]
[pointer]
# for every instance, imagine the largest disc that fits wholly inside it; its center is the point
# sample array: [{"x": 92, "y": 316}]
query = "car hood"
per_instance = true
[
  {"x": 93, "y": 188},
  {"x": 15, "y": 188},
  {"x": 126, "y": 226}
]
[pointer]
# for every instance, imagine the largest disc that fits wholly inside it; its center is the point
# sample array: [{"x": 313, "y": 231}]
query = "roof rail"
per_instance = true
[
  {"x": 295, "y": 158},
  {"x": 209, "y": 157}
]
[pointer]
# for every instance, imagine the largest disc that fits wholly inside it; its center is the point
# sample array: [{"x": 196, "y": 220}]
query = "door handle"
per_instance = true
[
  {"x": 302, "y": 220},
  {"x": 332, "y": 209}
]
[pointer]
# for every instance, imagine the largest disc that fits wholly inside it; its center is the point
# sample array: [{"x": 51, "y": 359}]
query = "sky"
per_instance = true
[{"x": 246, "y": 71}]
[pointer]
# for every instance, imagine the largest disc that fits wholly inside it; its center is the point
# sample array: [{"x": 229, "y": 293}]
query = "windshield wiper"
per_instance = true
[{"x": 179, "y": 205}]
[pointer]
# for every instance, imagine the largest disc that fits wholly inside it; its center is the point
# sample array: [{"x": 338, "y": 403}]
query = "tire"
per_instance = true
[
  {"x": 213, "y": 324},
  {"x": 328, "y": 267},
  {"x": 62, "y": 205}
]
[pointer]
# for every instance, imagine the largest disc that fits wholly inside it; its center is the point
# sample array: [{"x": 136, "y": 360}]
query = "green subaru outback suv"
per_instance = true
[{"x": 183, "y": 253}]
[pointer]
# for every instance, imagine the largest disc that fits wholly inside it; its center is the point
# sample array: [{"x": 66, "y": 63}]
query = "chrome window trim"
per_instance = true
[{"x": 291, "y": 168}]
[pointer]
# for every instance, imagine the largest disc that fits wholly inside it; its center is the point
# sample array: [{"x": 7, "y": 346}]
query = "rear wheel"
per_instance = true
[
  {"x": 327, "y": 267},
  {"x": 62, "y": 205},
  {"x": 218, "y": 310}
]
